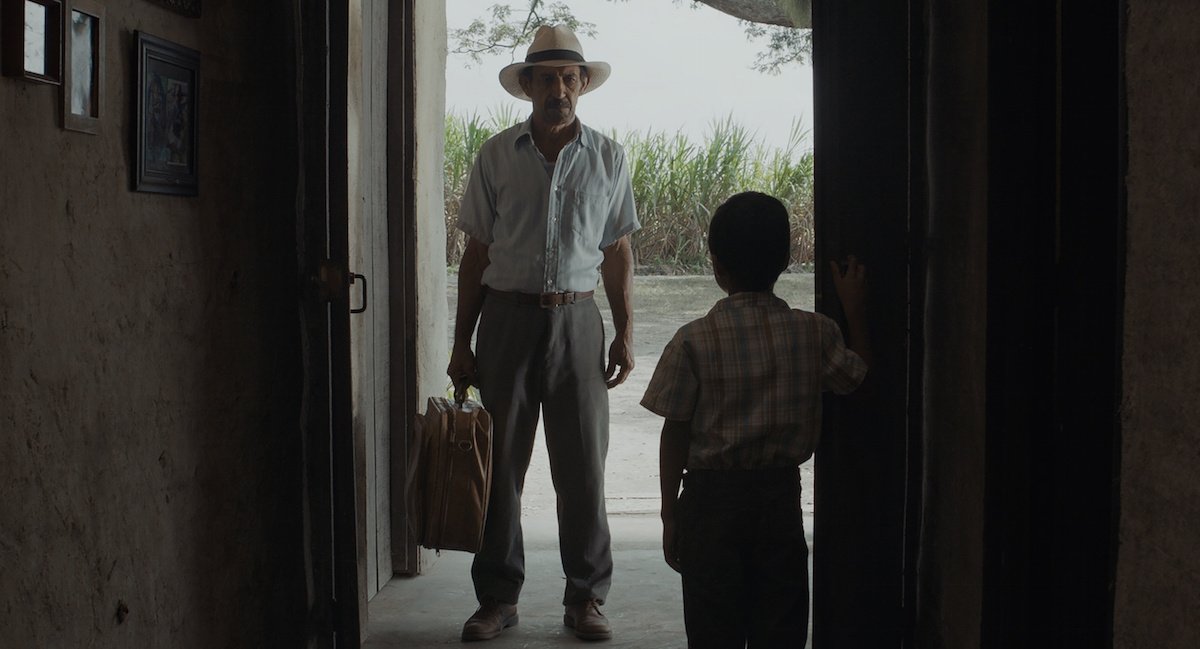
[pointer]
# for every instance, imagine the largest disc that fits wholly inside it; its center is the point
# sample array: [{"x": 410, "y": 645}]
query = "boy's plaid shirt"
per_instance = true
[{"x": 749, "y": 376}]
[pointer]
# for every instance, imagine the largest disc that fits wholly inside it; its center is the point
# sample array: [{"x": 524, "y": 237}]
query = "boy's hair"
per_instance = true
[{"x": 750, "y": 234}]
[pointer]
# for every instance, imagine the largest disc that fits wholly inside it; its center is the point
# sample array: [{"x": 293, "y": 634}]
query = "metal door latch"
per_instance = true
[{"x": 332, "y": 282}]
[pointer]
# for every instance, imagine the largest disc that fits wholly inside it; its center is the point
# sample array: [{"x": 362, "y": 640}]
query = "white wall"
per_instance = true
[{"x": 432, "y": 353}]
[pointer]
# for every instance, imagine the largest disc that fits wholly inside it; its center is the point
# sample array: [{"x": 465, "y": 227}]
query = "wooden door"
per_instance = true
[{"x": 370, "y": 326}]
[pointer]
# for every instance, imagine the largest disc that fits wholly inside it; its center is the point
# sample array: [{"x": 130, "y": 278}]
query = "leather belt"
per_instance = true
[{"x": 544, "y": 300}]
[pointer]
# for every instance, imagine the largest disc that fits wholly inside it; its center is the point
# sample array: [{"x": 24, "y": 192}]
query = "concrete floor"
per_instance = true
[{"x": 644, "y": 606}]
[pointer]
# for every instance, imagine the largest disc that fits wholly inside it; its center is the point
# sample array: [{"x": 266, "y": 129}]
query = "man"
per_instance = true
[{"x": 548, "y": 212}]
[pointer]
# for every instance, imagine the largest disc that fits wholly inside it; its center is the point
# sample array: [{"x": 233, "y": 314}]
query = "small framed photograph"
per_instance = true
[
  {"x": 83, "y": 69},
  {"x": 32, "y": 40},
  {"x": 168, "y": 113}
]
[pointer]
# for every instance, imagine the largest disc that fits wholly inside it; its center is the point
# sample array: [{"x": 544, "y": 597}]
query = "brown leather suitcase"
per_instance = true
[{"x": 450, "y": 475}]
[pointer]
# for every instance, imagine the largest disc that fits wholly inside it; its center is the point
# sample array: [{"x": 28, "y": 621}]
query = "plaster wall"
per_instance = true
[
  {"x": 1158, "y": 568},
  {"x": 150, "y": 357},
  {"x": 430, "y": 107}
]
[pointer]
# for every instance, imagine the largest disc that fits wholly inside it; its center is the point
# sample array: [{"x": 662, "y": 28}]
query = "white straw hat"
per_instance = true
[{"x": 554, "y": 47}]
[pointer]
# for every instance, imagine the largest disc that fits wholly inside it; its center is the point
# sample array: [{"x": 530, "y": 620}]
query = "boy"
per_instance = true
[{"x": 741, "y": 393}]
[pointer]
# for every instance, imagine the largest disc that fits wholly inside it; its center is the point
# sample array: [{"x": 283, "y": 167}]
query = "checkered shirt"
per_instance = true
[{"x": 749, "y": 376}]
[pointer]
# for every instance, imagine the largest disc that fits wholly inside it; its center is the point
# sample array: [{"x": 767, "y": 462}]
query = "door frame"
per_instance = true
[{"x": 402, "y": 258}]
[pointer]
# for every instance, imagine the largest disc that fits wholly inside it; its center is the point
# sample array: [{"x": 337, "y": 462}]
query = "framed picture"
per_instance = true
[
  {"x": 83, "y": 69},
  {"x": 186, "y": 7},
  {"x": 32, "y": 39},
  {"x": 168, "y": 98}
]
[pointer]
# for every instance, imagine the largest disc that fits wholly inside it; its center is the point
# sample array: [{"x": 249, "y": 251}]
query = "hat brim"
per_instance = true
[{"x": 510, "y": 75}]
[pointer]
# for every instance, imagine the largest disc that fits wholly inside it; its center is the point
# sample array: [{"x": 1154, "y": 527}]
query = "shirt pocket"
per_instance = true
[{"x": 584, "y": 216}]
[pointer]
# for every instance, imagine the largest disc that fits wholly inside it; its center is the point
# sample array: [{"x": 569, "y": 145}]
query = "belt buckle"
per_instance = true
[{"x": 546, "y": 300}]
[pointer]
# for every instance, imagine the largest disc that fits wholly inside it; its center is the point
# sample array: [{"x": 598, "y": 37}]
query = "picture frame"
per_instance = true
[
  {"x": 167, "y": 115},
  {"x": 31, "y": 37},
  {"x": 83, "y": 66},
  {"x": 189, "y": 8}
]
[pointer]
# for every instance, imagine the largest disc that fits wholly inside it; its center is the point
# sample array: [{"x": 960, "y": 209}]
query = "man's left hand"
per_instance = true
[{"x": 620, "y": 356}]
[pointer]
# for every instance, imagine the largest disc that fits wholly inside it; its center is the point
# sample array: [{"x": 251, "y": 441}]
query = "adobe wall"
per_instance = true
[
  {"x": 150, "y": 357},
  {"x": 1158, "y": 568}
]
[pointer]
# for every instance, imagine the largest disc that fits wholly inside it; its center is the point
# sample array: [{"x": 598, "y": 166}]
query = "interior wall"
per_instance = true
[
  {"x": 1158, "y": 568},
  {"x": 149, "y": 356}
]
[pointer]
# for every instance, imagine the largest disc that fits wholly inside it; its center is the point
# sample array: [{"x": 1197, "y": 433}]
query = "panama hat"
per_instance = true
[{"x": 555, "y": 47}]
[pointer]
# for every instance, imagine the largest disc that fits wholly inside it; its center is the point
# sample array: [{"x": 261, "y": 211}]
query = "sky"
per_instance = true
[{"x": 674, "y": 68}]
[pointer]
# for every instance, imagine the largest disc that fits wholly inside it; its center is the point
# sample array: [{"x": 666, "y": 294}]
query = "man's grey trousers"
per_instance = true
[{"x": 530, "y": 358}]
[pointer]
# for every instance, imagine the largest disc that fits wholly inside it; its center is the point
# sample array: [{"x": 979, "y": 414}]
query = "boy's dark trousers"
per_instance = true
[{"x": 744, "y": 559}]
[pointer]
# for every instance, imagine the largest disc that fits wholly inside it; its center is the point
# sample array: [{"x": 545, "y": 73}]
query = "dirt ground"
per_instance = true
[{"x": 661, "y": 304}]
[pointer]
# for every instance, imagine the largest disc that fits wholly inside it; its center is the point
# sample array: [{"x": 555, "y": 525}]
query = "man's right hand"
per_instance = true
[
  {"x": 462, "y": 369},
  {"x": 470, "y": 300}
]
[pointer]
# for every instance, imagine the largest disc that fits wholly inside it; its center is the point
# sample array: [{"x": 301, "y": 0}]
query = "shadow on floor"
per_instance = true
[{"x": 645, "y": 605}]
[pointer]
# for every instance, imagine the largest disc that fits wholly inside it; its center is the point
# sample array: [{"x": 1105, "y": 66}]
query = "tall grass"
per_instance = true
[{"x": 677, "y": 183}]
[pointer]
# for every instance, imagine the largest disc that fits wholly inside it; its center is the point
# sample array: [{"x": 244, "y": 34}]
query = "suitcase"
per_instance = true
[{"x": 450, "y": 475}]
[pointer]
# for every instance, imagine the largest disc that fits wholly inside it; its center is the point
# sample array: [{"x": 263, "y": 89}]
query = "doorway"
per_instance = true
[
  {"x": 890, "y": 197},
  {"x": 716, "y": 144},
  {"x": 661, "y": 303}
]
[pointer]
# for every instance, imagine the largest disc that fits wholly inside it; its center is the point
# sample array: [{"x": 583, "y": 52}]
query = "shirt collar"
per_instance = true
[
  {"x": 584, "y": 135},
  {"x": 747, "y": 299}
]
